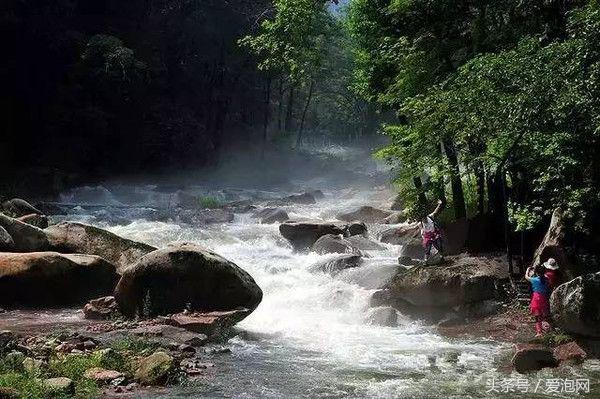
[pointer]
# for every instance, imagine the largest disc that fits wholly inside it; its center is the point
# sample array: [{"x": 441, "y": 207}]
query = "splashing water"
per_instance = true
[{"x": 313, "y": 334}]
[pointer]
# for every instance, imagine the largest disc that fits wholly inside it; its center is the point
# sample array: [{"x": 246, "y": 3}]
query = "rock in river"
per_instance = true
[
  {"x": 210, "y": 323},
  {"x": 366, "y": 214},
  {"x": 34, "y": 219},
  {"x": 49, "y": 278},
  {"x": 303, "y": 234},
  {"x": 185, "y": 276},
  {"x": 334, "y": 243},
  {"x": 462, "y": 281},
  {"x": 72, "y": 237},
  {"x": 575, "y": 306},
  {"x": 271, "y": 215}
]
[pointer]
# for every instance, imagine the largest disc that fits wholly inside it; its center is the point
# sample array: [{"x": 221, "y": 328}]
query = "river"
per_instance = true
[{"x": 314, "y": 335}]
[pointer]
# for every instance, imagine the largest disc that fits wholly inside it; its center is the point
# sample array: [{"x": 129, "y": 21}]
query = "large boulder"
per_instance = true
[
  {"x": 17, "y": 207},
  {"x": 575, "y": 306},
  {"x": 26, "y": 238},
  {"x": 334, "y": 243},
  {"x": 6, "y": 241},
  {"x": 401, "y": 235},
  {"x": 303, "y": 234},
  {"x": 72, "y": 237},
  {"x": 356, "y": 228},
  {"x": 184, "y": 276},
  {"x": 101, "y": 308},
  {"x": 42, "y": 279},
  {"x": 463, "y": 280},
  {"x": 366, "y": 214},
  {"x": 364, "y": 244},
  {"x": 34, "y": 219}
]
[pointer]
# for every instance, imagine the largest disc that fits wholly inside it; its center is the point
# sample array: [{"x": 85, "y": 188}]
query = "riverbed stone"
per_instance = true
[
  {"x": 571, "y": 353},
  {"x": 334, "y": 243},
  {"x": 303, "y": 234},
  {"x": 364, "y": 244},
  {"x": 339, "y": 263},
  {"x": 73, "y": 237},
  {"x": 356, "y": 228},
  {"x": 101, "y": 308},
  {"x": 205, "y": 282},
  {"x": 575, "y": 307},
  {"x": 49, "y": 278},
  {"x": 154, "y": 369},
  {"x": 530, "y": 358},
  {"x": 26, "y": 238},
  {"x": 210, "y": 324},
  {"x": 34, "y": 219},
  {"x": 18, "y": 207},
  {"x": 102, "y": 376},
  {"x": 60, "y": 385}
]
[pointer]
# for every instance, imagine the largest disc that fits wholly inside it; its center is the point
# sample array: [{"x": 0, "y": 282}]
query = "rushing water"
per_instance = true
[{"x": 314, "y": 335}]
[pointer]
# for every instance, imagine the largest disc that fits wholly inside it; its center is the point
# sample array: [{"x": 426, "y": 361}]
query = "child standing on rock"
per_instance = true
[
  {"x": 431, "y": 233},
  {"x": 540, "y": 305}
]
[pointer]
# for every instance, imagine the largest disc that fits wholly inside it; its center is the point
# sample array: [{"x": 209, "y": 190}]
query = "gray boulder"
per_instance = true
[
  {"x": 364, "y": 244},
  {"x": 303, "y": 234},
  {"x": 402, "y": 235},
  {"x": 34, "y": 219},
  {"x": 530, "y": 358},
  {"x": 366, "y": 214},
  {"x": 17, "y": 207},
  {"x": 49, "y": 278},
  {"x": 356, "y": 228},
  {"x": 462, "y": 281},
  {"x": 26, "y": 238},
  {"x": 334, "y": 243},
  {"x": 575, "y": 306},
  {"x": 339, "y": 263},
  {"x": 204, "y": 282},
  {"x": 73, "y": 237}
]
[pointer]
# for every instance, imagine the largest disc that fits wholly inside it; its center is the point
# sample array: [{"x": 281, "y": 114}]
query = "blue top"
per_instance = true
[{"x": 539, "y": 285}]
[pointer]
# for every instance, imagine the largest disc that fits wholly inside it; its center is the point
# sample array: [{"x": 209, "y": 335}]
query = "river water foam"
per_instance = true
[{"x": 313, "y": 334}]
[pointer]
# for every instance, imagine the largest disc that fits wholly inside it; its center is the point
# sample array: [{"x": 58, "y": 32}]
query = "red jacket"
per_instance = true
[{"x": 553, "y": 278}]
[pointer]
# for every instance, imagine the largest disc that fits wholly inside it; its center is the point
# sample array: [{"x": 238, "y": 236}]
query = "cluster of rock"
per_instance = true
[{"x": 71, "y": 263}]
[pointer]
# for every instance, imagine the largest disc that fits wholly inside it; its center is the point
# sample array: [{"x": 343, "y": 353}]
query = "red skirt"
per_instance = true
[
  {"x": 430, "y": 236},
  {"x": 539, "y": 305}
]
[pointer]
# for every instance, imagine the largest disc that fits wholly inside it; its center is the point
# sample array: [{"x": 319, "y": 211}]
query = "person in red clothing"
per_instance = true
[
  {"x": 552, "y": 274},
  {"x": 539, "y": 306}
]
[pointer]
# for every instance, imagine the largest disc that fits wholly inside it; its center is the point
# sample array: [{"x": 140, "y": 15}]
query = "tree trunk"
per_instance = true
[
  {"x": 289, "y": 115},
  {"x": 419, "y": 186},
  {"x": 480, "y": 177},
  {"x": 266, "y": 117},
  {"x": 280, "y": 108},
  {"x": 458, "y": 196},
  {"x": 308, "y": 99}
]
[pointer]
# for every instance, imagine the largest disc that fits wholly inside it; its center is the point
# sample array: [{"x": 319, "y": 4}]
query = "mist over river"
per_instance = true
[{"x": 314, "y": 335}]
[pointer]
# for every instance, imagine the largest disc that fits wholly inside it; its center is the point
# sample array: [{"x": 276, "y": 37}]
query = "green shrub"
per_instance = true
[
  {"x": 209, "y": 202},
  {"x": 28, "y": 386}
]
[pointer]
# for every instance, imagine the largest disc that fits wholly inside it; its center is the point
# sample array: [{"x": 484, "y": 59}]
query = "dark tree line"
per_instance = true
[{"x": 105, "y": 86}]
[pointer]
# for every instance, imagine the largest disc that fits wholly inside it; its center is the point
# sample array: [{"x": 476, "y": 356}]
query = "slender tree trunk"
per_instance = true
[
  {"x": 266, "y": 117},
  {"x": 280, "y": 108},
  {"x": 289, "y": 115},
  {"x": 419, "y": 186},
  {"x": 458, "y": 196},
  {"x": 306, "y": 105},
  {"x": 480, "y": 178}
]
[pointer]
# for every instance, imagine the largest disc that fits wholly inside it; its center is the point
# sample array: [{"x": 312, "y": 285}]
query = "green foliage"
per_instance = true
[
  {"x": 293, "y": 40},
  {"x": 209, "y": 202},
  {"x": 137, "y": 346},
  {"x": 528, "y": 109},
  {"x": 28, "y": 386},
  {"x": 72, "y": 366}
]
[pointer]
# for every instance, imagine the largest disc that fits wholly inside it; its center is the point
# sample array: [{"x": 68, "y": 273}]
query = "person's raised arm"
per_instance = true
[
  {"x": 437, "y": 209},
  {"x": 528, "y": 273}
]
